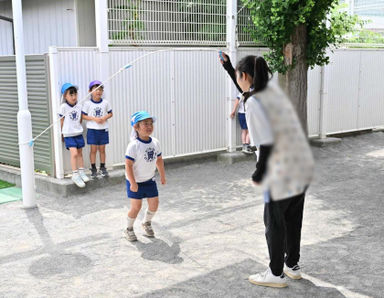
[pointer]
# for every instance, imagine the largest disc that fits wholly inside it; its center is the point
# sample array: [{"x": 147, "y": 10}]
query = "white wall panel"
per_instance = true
[
  {"x": 371, "y": 89},
  {"x": 343, "y": 78},
  {"x": 185, "y": 90}
]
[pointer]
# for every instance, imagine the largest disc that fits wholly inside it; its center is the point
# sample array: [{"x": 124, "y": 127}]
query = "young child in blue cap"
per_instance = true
[
  {"x": 72, "y": 130},
  {"x": 143, "y": 156},
  {"x": 97, "y": 111}
]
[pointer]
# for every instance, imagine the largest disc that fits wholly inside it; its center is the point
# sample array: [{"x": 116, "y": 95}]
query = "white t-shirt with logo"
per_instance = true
[
  {"x": 72, "y": 116},
  {"x": 97, "y": 109},
  {"x": 241, "y": 104},
  {"x": 144, "y": 156}
]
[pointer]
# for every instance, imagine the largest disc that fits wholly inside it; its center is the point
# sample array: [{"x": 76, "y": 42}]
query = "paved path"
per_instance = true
[{"x": 210, "y": 235}]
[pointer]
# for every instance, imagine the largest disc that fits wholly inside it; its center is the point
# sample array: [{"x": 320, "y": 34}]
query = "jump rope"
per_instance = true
[{"x": 125, "y": 67}]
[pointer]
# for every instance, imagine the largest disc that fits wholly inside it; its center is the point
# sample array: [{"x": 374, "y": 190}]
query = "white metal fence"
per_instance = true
[
  {"x": 185, "y": 89},
  {"x": 169, "y": 22}
]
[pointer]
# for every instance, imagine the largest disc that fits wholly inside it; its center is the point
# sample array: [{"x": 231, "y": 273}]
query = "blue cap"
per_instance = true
[
  {"x": 93, "y": 83},
  {"x": 66, "y": 86},
  {"x": 140, "y": 116}
]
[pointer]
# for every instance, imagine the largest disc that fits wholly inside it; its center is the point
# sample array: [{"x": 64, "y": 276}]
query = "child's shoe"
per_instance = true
[
  {"x": 148, "y": 229},
  {"x": 294, "y": 272},
  {"x": 104, "y": 172},
  {"x": 93, "y": 173},
  {"x": 130, "y": 235},
  {"x": 249, "y": 150},
  {"x": 244, "y": 148},
  {"x": 83, "y": 176},
  {"x": 268, "y": 279},
  {"x": 77, "y": 180}
]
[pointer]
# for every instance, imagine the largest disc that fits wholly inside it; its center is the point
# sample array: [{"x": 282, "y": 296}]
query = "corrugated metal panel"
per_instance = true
[
  {"x": 343, "y": 77},
  {"x": 185, "y": 89},
  {"x": 38, "y": 104},
  {"x": 371, "y": 91},
  {"x": 200, "y": 109}
]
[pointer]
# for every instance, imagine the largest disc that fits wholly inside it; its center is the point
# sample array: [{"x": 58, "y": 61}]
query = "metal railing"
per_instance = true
[{"x": 170, "y": 22}]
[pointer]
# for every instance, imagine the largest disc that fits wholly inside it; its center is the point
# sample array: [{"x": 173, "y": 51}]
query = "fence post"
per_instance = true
[
  {"x": 55, "y": 104},
  {"x": 24, "y": 120},
  {"x": 101, "y": 18},
  {"x": 323, "y": 102},
  {"x": 231, "y": 89}
]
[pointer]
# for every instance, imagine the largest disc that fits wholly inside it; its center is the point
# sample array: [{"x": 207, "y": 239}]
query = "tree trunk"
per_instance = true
[{"x": 295, "y": 81}]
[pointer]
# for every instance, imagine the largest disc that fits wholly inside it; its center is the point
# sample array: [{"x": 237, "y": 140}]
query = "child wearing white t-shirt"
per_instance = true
[
  {"x": 143, "y": 156},
  {"x": 70, "y": 113},
  {"x": 97, "y": 111}
]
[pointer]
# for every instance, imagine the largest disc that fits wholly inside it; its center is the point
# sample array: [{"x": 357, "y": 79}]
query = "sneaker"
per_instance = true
[
  {"x": 130, "y": 235},
  {"x": 104, "y": 172},
  {"x": 244, "y": 149},
  {"x": 148, "y": 229},
  {"x": 248, "y": 150},
  {"x": 83, "y": 176},
  {"x": 294, "y": 272},
  {"x": 267, "y": 279},
  {"x": 77, "y": 180},
  {"x": 93, "y": 173}
]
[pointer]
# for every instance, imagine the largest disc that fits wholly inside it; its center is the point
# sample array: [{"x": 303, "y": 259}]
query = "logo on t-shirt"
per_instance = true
[
  {"x": 74, "y": 115},
  {"x": 98, "y": 112},
  {"x": 149, "y": 154}
]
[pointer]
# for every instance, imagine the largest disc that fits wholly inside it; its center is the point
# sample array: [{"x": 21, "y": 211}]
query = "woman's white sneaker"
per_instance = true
[
  {"x": 268, "y": 279},
  {"x": 294, "y": 272}
]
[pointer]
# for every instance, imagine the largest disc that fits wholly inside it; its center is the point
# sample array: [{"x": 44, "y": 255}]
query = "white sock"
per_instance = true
[
  {"x": 81, "y": 170},
  {"x": 74, "y": 172},
  {"x": 149, "y": 215},
  {"x": 130, "y": 222}
]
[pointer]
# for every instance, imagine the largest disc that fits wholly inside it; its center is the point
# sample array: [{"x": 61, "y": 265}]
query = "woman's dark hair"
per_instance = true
[{"x": 258, "y": 69}]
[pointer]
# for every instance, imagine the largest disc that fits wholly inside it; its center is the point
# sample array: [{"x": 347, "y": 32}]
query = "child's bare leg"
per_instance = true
[
  {"x": 247, "y": 141},
  {"x": 134, "y": 210},
  {"x": 102, "y": 153},
  {"x": 80, "y": 160},
  {"x": 74, "y": 156},
  {"x": 244, "y": 136},
  {"x": 153, "y": 204},
  {"x": 92, "y": 154}
]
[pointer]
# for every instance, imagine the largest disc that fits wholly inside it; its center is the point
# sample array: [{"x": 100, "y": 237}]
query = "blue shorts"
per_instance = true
[
  {"x": 242, "y": 121},
  {"x": 76, "y": 141},
  {"x": 97, "y": 137},
  {"x": 147, "y": 189}
]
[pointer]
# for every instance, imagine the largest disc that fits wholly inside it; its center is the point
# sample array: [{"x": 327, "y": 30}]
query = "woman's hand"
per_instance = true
[{"x": 223, "y": 57}]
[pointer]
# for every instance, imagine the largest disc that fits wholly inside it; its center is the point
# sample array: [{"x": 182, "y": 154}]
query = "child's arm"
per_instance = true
[
  {"x": 236, "y": 105},
  {"x": 131, "y": 177},
  {"x": 61, "y": 126},
  {"x": 161, "y": 169}
]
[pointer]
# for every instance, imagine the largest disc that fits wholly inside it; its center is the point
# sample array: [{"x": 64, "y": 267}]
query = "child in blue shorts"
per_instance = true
[
  {"x": 72, "y": 130},
  {"x": 239, "y": 107},
  {"x": 143, "y": 156},
  {"x": 97, "y": 111}
]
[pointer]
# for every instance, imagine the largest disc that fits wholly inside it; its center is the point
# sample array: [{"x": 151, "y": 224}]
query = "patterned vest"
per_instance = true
[{"x": 290, "y": 165}]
